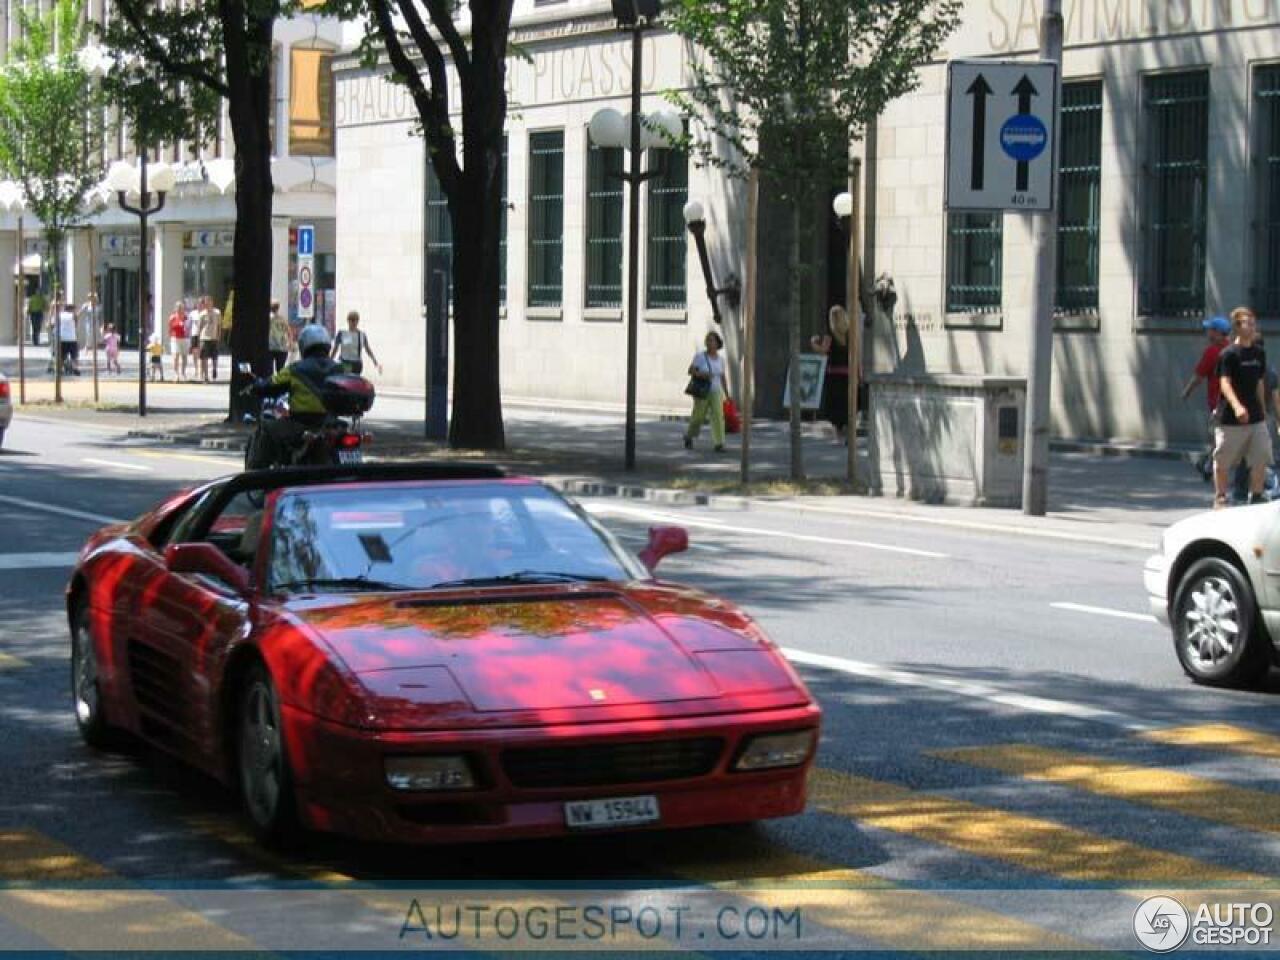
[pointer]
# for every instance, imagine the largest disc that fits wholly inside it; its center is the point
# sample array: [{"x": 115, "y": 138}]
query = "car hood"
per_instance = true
[
  {"x": 560, "y": 649},
  {"x": 1241, "y": 528}
]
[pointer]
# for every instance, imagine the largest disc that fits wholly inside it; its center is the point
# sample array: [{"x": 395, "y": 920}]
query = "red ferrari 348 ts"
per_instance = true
[{"x": 430, "y": 653}]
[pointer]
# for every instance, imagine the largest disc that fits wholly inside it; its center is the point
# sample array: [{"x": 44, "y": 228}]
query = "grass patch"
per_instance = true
[{"x": 102, "y": 406}]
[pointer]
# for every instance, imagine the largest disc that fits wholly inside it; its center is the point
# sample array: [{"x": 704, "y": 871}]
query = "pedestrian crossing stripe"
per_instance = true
[
  {"x": 1179, "y": 793},
  {"x": 1031, "y": 843},
  {"x": 1219, "y": 736},
  {"x": 83, "y": 919}
]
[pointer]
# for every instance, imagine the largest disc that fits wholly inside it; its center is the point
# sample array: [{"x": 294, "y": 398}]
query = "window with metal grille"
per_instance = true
[
  {"x": 1175, "y": 184},
  {"x": 1266, "y": 275},
  {"x": 1079, "y": 192},
  {"x": 604, "y": 227},
  {"x": 546, "y": 218},
  {"x": 439, "y": 232},
  {"x": 667, "y": 244},
  {"x": 502, "y": 231},
  {"x": 975, "y": 249}
]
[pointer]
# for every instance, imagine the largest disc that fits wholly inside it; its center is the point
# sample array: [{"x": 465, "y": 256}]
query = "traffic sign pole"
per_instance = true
[{"x": 1035, "y": 454}]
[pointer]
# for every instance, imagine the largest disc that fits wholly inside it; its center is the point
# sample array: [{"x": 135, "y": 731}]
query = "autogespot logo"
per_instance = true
[{"x": 1161, "y": 924}]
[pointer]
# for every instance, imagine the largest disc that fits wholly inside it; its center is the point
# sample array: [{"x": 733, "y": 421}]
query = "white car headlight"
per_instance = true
[
  {"x": 429, "y": 773},
  {"x": 773, "y": 750}
]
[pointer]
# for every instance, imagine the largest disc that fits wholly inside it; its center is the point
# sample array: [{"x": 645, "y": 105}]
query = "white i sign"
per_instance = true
[
  {"x": 1001, "y": 128},
  {"x": 306, "y": 272}
]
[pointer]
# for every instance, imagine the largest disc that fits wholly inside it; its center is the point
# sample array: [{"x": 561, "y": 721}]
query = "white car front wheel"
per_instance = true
[{"x": 1216, "y": 629}]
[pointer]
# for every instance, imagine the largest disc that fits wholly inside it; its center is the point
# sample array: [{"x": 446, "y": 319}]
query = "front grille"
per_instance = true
[{"x": 604, "y": 764}]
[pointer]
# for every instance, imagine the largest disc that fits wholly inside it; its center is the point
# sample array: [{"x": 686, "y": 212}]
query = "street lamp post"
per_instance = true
[
  {"x": 609, "y": 129},
  {"x": 843, "y": 207},
  {"x": 126, "y": 179},
  {"x": 695, "y": 219}
]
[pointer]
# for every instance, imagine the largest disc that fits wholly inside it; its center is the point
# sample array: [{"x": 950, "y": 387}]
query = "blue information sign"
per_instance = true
[
  {"x": 1023, "y": 137},
  {"x": 306, "y": 241}
]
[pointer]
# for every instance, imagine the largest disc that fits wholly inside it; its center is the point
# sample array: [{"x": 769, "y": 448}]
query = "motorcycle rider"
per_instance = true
[{"x": 303, "y": 381}]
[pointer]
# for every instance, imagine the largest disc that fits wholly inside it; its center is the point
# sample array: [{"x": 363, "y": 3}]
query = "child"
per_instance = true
[
  {"x": 111, "y": 343},
  {"x": 155, "y": 349}
]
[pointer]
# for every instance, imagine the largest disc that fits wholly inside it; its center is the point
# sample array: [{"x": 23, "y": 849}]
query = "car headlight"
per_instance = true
[
  {"x": 429, "y": 773},
  {"x": 773, "y": 750}
]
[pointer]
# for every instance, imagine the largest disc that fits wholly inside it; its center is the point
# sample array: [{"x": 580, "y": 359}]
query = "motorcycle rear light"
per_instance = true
[{"x": 349, "y": 441}]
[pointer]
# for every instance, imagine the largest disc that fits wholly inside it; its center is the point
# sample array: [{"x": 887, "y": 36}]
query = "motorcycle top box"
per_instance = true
[{"x": 347, "y": 395}]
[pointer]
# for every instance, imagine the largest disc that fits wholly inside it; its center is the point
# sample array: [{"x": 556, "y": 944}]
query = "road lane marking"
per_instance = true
[
  {"x": 1220, "y": 736},
  {"x": 121, "y": 918},
  {"x": 1030, "y": 843},
  {"x": 206, "y": 459},
  {"x": 1104, "y": 611},
  {"x": 36, "y": 561},
  {"x": 607, "y": 508},
  {"x": 1179, "y": 793},
  {"x": 116, "y": 465},
  {"x": 229, "y": 833},
  {"x": 10, "y": 662},
  {"x": 966, "y": 688},
  {"x": 59, "y": 511}
]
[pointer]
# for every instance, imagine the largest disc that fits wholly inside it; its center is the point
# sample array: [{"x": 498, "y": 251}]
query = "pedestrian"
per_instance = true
[
  {"x": 278, "y": 337},
  {"x": 179, "y": 340},
  {"x": 208, "y": 331},
  {"x": 1218, "y": 331},
  {"x": 1242, "y": 430},
  {"x": 708, "y": 387},
  {"x": 351, "y": 344},
  {"x": 68, "y": 345},
  {"x": 36, "y": 305},
  {"x": 155, "y": 350},
  {"x": 111, "y": 343},
  {"x": 835, "y": 389}
]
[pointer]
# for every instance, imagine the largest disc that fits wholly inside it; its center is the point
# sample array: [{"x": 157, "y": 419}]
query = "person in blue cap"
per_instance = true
[{"x": 1218, "y": 330}]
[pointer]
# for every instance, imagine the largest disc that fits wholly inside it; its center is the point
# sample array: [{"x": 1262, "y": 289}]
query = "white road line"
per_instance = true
[
  {"x": 116, "y": 464},
  {"x": 60, "y": 511},
  {"x": 964, "y": 688},
  {"x": 36, "y": 561},
  {"x": 758, "y": 531},
  {"x": 1104, "y": 611}
]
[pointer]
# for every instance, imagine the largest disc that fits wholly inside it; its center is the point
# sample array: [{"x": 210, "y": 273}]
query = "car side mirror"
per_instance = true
[
  {"x": 663, "y": 541},
  {"x": 207, "y": 559}
]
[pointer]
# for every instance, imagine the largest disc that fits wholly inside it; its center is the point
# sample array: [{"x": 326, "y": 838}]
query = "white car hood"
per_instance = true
[{"x": 1241, "y": 528}]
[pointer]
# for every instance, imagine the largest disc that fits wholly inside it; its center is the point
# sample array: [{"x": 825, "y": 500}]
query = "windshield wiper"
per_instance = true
[
  {"x": 522, "y": 576},
  {"x": 342, "y": 583}
]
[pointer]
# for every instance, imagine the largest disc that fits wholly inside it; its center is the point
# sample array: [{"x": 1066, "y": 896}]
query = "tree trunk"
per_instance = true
[
  {"x": 793, "y": 336},
  {"x": 248, "y": 107}
]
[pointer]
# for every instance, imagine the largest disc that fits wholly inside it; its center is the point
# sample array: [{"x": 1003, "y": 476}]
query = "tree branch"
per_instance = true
[
  {"x": 442, "y": 19},
  {"x": 159, "y": 55}
]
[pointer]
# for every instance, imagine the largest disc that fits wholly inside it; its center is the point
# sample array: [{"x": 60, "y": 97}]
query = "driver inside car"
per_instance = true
[{"x": 303, "y": 381}]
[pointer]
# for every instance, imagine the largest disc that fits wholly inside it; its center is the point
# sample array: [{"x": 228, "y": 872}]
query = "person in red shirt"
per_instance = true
[
  {"x": 179, "y": 342},
  {"x": 1218, "y": 330}
]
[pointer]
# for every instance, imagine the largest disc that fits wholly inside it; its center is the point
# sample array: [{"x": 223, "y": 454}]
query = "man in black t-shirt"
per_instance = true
[{"x": 1242, "y": 431}]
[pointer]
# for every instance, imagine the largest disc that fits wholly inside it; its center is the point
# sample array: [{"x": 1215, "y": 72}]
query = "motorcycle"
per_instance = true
[{"x": 339, "y": 440}]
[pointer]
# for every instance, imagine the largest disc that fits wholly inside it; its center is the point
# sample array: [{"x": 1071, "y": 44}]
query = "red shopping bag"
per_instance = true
[{"x": 732, "y": 421}]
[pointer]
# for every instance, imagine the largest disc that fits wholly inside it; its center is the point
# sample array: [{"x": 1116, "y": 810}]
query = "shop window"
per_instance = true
[
  {"x": 1266, "y": 283},
  {"x": 546, "y": 218},
  {"x": 1176, "y": 189},
  {"x": 667, "y": 233},
  {"x": 310, "y": 103},
  {"x": 604, "y": 227},
  {"x": 1080, "y": 193},
  {"x": 975, "y": 249},
  {"x": 439, "y": 232}
]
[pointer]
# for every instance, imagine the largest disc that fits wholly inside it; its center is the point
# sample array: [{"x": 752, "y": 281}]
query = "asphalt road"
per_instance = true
[{"x": 1002, "y": 722}]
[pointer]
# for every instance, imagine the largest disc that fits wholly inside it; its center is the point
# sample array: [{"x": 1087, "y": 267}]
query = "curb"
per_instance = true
[
  {"x": 587, "y": 487},
  {"x": 1100, "y": 448},
  {"x": 200, "y": 443}
]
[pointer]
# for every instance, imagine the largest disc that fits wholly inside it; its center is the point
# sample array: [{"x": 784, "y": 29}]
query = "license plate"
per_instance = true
[
  {"x": 350, "y": 456},
  {"x": 615, "y": 812}
]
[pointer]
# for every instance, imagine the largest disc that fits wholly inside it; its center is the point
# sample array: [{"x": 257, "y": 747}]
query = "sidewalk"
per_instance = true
[{"x": 1095, "y": 494}]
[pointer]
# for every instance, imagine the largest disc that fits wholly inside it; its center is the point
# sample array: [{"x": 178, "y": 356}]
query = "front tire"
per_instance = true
[
  {"x": 86, "y": 688},
  {"x": 1216, "y": 627},
  {"x": 266, "y": 779}
]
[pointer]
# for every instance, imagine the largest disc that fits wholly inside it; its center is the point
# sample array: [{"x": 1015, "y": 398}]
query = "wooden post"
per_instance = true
[
  {"x": 749, "y": 325},
  {"x": 854, "y": 338}
]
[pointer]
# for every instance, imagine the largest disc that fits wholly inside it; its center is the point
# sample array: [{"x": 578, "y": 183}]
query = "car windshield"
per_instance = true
[{"x": 416, "y": 537}]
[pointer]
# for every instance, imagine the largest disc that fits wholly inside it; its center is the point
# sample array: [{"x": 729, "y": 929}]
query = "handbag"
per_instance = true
[
  {"x": 732, "y": 419},
  {"x": 698, "y": 387}
]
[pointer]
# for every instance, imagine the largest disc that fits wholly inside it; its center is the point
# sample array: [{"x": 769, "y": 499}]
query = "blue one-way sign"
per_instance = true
[{"x": 1001, "y": 125}]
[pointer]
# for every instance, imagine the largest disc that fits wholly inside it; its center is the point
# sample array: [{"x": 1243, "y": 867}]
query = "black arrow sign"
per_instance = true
[
  {"x": 979, "y": 90},
  {"x": 1024, "y": 91}
]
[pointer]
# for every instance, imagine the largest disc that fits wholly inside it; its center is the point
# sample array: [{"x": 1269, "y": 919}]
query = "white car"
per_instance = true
[
  {"x": 6, "y": 407},
  {"x": 1216, "y": 583}
]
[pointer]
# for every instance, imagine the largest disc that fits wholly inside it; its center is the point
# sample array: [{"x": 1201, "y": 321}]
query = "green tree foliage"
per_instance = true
[
  {"x": 50, "y": 129},
  {"x": 784, "y": 86}
]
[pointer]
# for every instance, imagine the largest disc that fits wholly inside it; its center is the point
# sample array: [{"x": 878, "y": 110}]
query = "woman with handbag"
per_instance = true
[{"x": 708, "y": 388}]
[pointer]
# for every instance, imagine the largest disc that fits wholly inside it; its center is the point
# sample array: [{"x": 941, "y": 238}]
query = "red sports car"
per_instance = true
[{"x": 430, "y": 653}]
